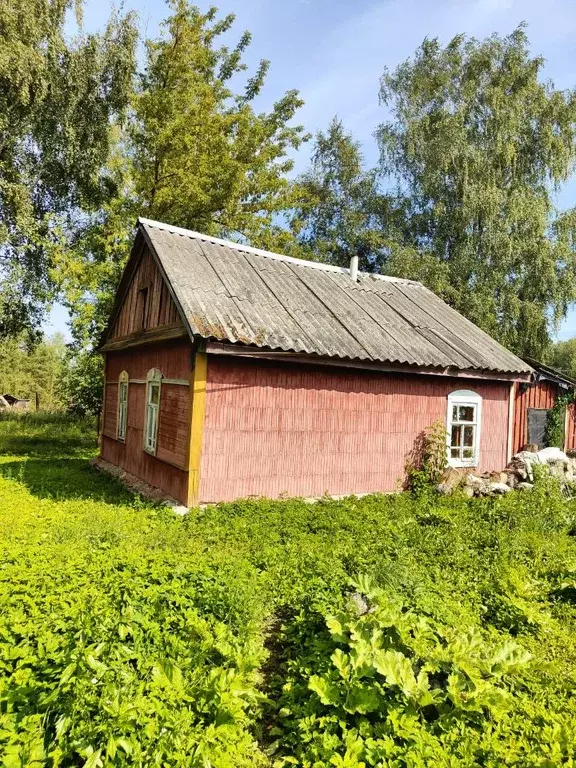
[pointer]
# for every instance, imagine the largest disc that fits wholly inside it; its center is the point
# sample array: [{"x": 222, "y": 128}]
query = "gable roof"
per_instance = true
[
  {"x": 11, "y": 399},
  {"x": 231, "y": 292}
]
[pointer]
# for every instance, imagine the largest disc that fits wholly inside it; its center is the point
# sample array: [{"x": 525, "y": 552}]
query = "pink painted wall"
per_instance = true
[
  {"x": 167, "y": 469},
  {"x": 274, "y": 429}
]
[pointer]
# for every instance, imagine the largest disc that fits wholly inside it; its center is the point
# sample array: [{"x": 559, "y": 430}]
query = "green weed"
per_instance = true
[{"x": 243, "y": 635}]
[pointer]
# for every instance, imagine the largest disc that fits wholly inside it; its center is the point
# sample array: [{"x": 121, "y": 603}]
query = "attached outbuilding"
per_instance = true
[
  {"x": 234, "y": 372},
  {"x": 534, "y": 401}
]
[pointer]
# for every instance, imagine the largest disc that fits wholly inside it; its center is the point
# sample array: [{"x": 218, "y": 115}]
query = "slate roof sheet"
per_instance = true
[{"x": 230, "y": 292}]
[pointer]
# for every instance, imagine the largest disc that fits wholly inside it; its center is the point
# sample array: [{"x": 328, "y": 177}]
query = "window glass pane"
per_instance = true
[
  {"x": 456, "y": 436},
  {"x": 468, "y": 436},
  {"x": 122, "y": 410},
  {"x": 454, "y": 413},
  {"x": 455, "y": 453},
  {"x": 466, "y": 413},
  {"x": 467, "y": 453},
  {"x": 149, "y": 425},
  {"x": 154, "y": 394}
]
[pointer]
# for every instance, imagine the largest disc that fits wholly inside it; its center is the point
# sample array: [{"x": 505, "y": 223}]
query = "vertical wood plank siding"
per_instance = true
[
  {"x": 570, "y": 443},
  {"x": 173, "y": 425},
  {"x": 174, "y": 360},
  {"x": 540, "y": 395},
  {"x": 274, "y": 429},
  {"x": 161, "y": 308},
  {"x": 110, "y": 406}
]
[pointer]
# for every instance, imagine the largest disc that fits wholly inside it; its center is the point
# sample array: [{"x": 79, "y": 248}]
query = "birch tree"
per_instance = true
[
  {"x": 58, "y": 98},
  {"x": 478, "y": 145}
]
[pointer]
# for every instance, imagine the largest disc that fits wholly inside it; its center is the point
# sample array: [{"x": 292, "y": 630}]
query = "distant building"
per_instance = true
[
  {"x": 234, "y": 372},
  {"x": 14, "y": 403}
]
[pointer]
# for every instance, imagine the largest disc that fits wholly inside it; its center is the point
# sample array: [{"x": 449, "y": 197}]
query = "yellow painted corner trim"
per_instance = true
[
  {"x": 197, "y": 410},
  {"x": 511, "y": 413}
]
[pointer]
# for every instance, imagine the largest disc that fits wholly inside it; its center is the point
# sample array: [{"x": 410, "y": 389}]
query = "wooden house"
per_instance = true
[{"x": 234, "y": 372}]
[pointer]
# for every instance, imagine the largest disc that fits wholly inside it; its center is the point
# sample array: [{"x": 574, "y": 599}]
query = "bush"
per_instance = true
[
  {"x": 83, "y": 384},
  {"x": 427, "y": 460},
  {"x": 393, "y": 687}
]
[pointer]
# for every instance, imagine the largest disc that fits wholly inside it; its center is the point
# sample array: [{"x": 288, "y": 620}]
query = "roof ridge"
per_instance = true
[{"x": 269, "y": 254}]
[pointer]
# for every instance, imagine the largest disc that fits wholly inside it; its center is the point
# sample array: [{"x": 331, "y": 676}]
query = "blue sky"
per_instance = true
[{"x": 334, "y": 51}]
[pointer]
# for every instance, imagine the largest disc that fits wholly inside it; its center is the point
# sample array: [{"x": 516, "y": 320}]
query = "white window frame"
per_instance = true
[
  {"x": 471, "y": 399},
  {"x": 152, "y": 415},
  {"x": 122, "y": 407}
]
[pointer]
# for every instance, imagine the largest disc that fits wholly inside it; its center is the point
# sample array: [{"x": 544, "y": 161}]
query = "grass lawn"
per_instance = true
[{"x": 385, "y": 631}]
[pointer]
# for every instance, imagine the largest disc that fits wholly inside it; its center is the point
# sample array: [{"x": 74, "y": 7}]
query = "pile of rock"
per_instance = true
[{"x": 518, "y": 475}]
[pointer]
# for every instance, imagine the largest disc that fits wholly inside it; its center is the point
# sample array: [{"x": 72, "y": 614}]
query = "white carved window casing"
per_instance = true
[
  {"x": 122, "y": 415},
  {"x": 463, "y": 424},
  {"x": 153, "y": 387}
]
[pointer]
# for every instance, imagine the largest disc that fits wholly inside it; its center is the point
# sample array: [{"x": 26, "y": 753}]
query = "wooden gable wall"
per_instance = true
[{"x": 161, "y": 310}]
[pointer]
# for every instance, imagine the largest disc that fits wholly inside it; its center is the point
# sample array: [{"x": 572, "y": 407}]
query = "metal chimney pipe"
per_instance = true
[{"x": 354, "y": 268}]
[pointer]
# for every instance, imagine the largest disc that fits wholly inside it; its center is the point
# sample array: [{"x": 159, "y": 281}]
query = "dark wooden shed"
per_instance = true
[
  {"x": 15, "y": 403},
  {"x": 532, "y": 404}
]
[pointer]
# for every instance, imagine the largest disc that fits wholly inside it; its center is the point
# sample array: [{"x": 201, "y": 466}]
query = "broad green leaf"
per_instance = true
[
  {"x": 326, "y": 690},
  {"x": 397, "y": 669},
  {"x": 362, "y": 699}
]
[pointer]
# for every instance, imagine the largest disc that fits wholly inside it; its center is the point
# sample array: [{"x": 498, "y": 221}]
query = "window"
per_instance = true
[
  {"x": 142, "y": 309},
  {"x": 537, "y": 420},
  {"x": 122, "y": 415},
  {"x": 463, "y": 426},
  {"x": 153, "y": 382}
]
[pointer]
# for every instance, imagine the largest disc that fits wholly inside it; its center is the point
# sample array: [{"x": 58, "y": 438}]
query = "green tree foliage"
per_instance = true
[
  {"x": 479, "y": 144},
  {"x": 28, "y": 372},
  {"x": 82, "y": 385},
  {"x": 194, "y": 153},
  {"x": 339, "y": 208},
  {"x": 563, "y": 357},
  {"x": 342, "y": 209},
  {"x": 203, "y": 158},
  {"x": 57, "y": 101}
]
